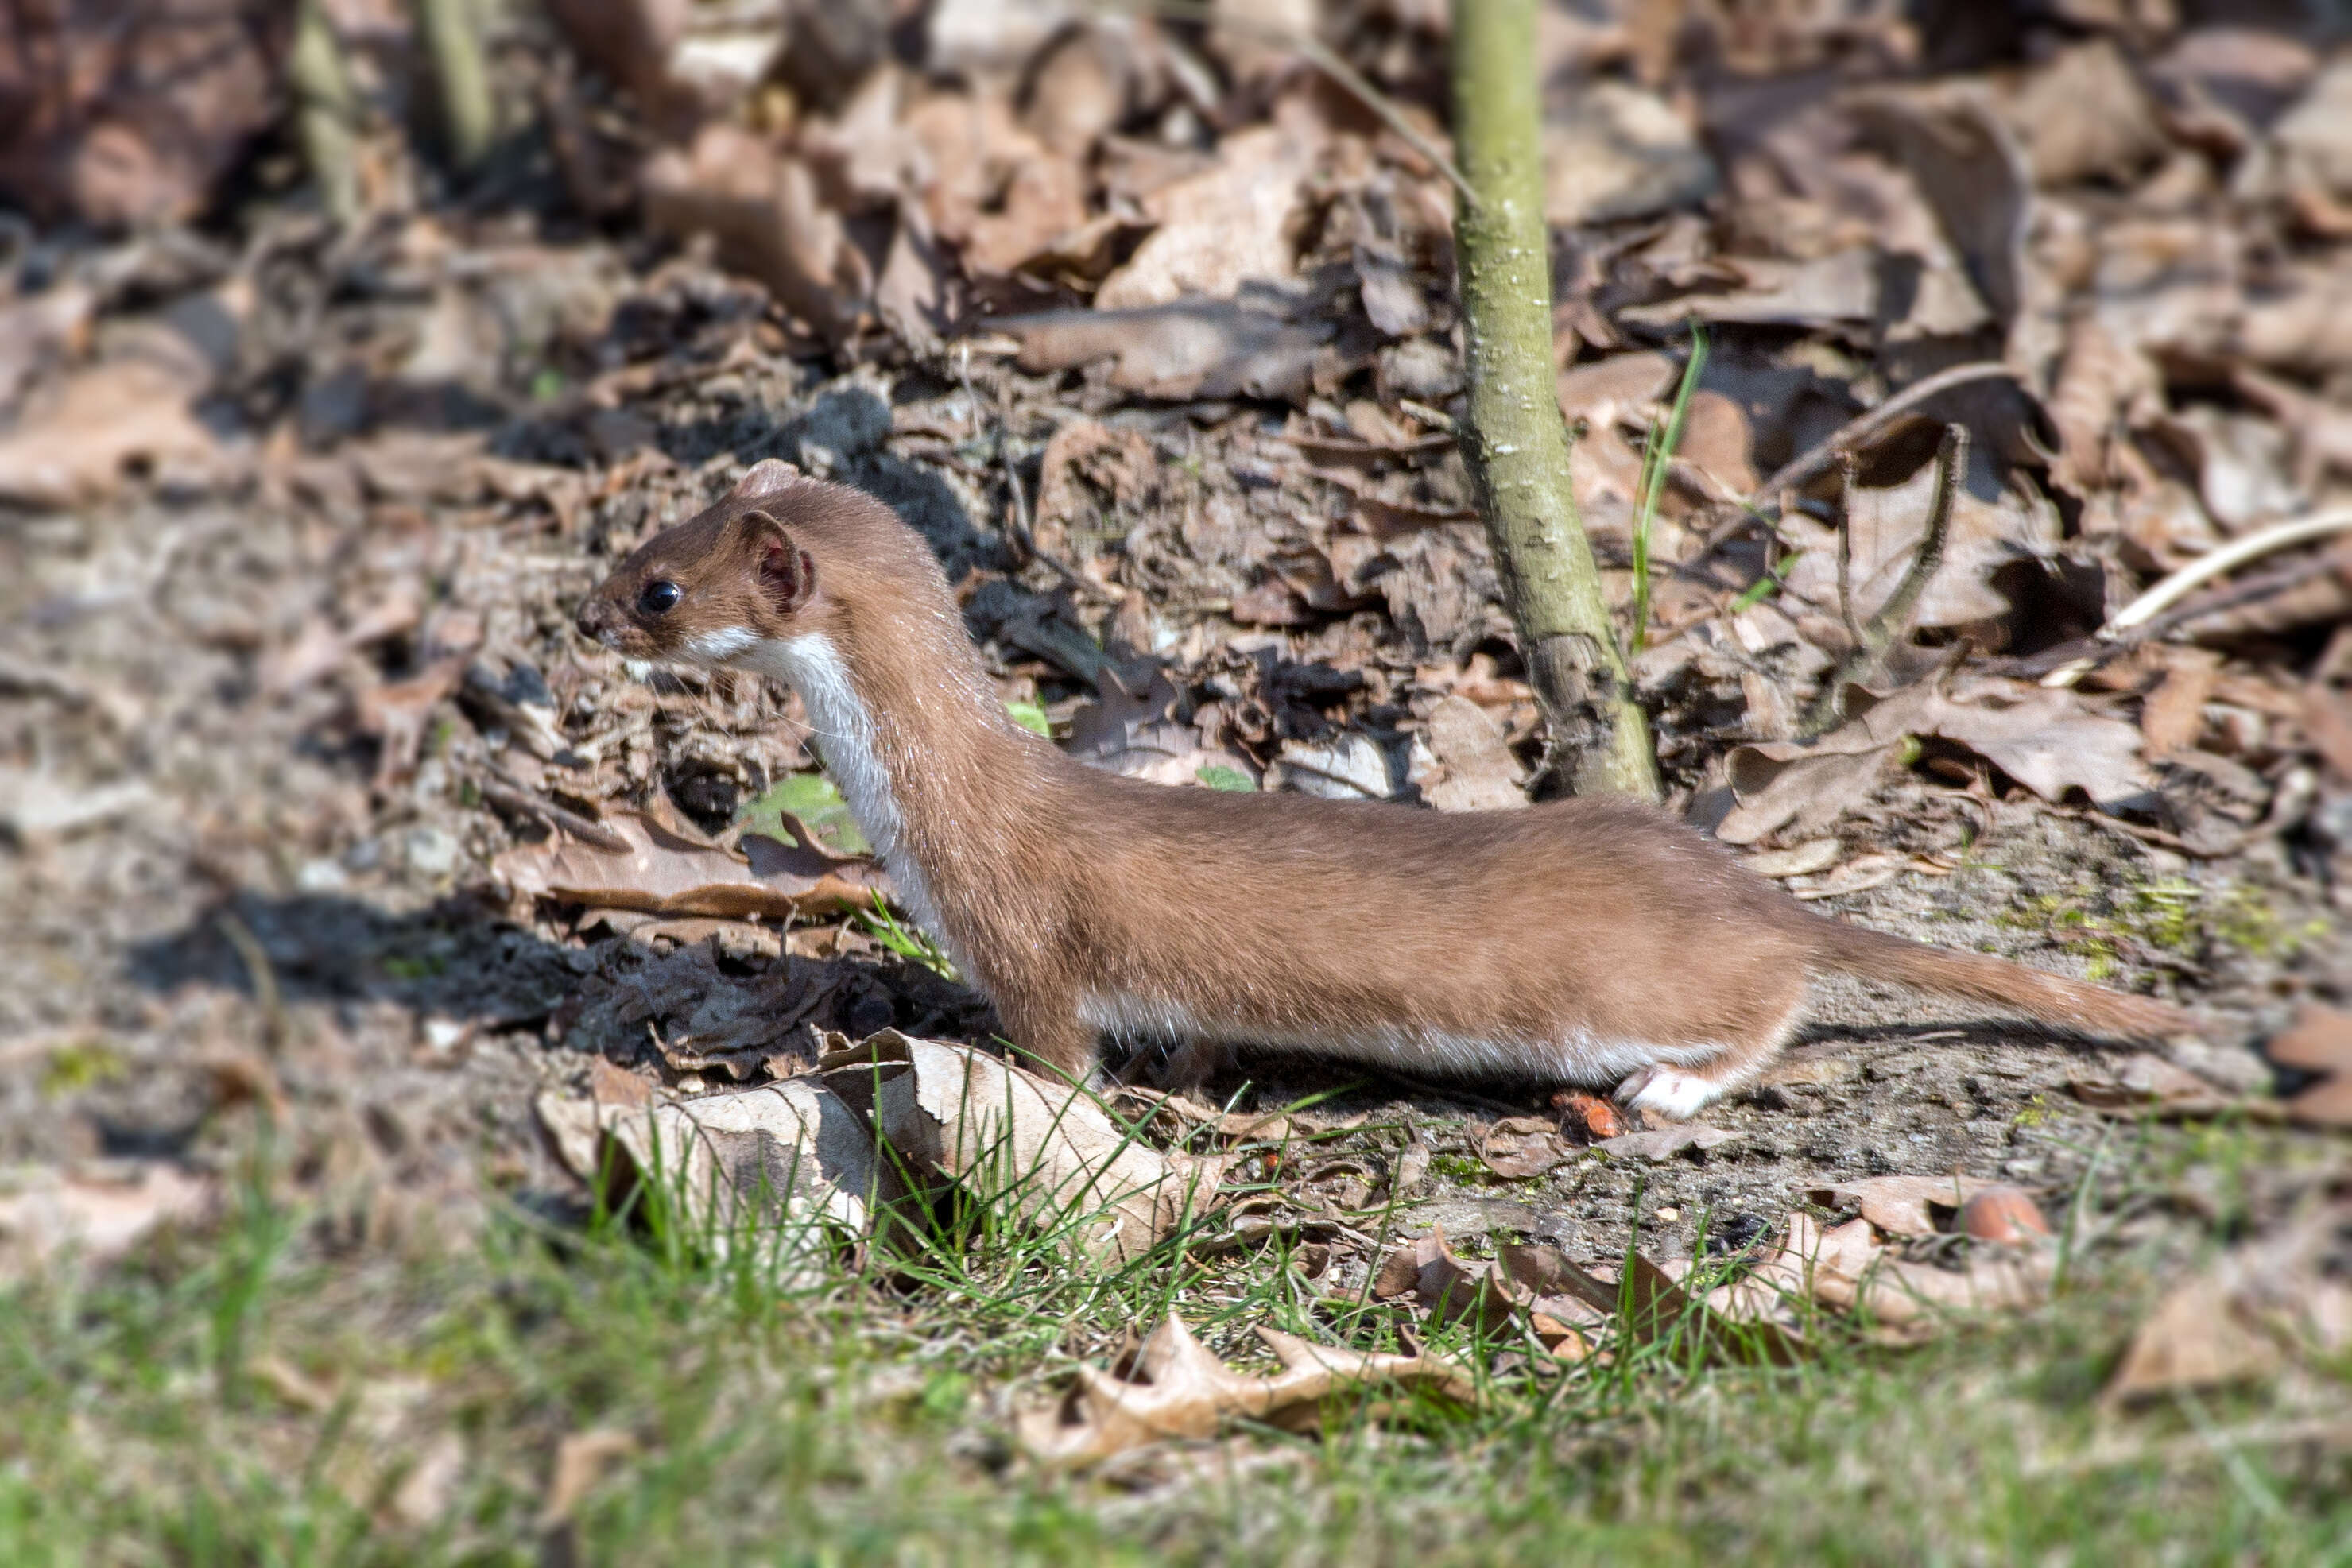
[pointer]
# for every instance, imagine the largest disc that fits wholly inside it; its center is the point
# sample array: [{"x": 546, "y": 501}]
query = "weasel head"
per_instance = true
[{"x": 711, "y": 591}]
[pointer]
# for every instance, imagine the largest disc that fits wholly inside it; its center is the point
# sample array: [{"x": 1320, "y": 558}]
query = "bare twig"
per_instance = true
[
  {"x": 1859, "y": 431},
  {"x": 2070, "y": 661},
  {"x": 1874, "y": 636},
  {"x": 503, "y": 791},
  {"x": 2152, "y": 614},
  {"x": 1845, "y": 550}
]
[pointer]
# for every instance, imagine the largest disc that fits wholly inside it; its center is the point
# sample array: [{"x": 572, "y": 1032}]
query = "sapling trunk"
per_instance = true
[
  {"x": 453, "y": 33},
  {"x": 1514, "y": 440}
]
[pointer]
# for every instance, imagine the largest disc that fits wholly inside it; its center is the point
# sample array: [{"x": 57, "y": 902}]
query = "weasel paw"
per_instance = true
[{"x": 1667, "y": 1091}]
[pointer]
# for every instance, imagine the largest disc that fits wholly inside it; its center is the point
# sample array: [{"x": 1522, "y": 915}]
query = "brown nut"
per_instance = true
[{"x": 2002, "y": 1214}]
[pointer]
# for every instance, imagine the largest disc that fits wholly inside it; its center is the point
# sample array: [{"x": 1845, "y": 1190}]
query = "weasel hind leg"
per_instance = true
[{"x": 1675, "y": 1092}]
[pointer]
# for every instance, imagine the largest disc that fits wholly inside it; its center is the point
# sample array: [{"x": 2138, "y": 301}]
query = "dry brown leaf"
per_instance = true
[
  {"x": 1048, "y": 1149},
  {"x": 396, "y": 713},
  {"x": 1234, "y": 1126},
  {"x": 2194, "y": 1339},
  {"x": 2044, "y": 738},
  {"x": 1194, "y": 349},
  {"x": 666, "y": 872},
  {"x": 1172, "y": 1387},
  {"x": 2320, "y": 1042},
  {"x": 77, "y": 442},
  {"x": 1887, "y": 526},
  {"x": 1223, "y": 228},
  {"x": 2172, "y": 716},
  {"x": 1898, "y": 1204},
  {"x": 126, "y": 115},
  {"x": 1449, "y": 1287},
  {"x": 1812, "y": 856},
  {"x": 1902, "y": 1294},
  {"x": 1660, "y": 1145},
  {"x": 98, "y": 1212},
  {"x": 764, "y": 209},
  {"x": 2083, "y": 115},
  {"x": 1469, "y": 763},
  {"x": 2283, "y": 1293},
  {"x": 1975, "y": 177},
  {"x": 1839, "y": 290},
  {"x": 1620, "y": 152},
  {"x": 1137, "y": 738},
  {"x": 1601, "y": 390}
]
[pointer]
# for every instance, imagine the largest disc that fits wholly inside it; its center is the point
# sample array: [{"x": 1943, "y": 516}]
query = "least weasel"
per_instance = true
[{"x": 1590, "y": 940}]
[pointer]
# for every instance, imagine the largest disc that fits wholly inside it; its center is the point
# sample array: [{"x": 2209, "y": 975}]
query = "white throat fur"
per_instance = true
[{"x": 843, "y": 726}]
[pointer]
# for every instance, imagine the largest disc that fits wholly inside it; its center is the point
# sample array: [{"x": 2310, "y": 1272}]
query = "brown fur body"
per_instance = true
[{"x": 1593, "y": 941}]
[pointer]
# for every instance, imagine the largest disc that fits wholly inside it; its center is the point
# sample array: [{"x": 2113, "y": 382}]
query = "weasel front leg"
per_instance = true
[{"x": 1047, "y": 1036}]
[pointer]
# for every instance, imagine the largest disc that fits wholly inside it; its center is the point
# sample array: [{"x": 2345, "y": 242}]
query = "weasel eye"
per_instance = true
[{"x": 660, "y": 597}]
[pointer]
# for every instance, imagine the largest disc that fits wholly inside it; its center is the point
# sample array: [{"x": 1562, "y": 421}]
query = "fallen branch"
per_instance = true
[
  {"x": 2147, "y": 618},
  {"x": 1874, "y": 637}
]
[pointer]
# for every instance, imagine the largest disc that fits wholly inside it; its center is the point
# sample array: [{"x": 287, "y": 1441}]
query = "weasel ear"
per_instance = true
[
  {"x": 785, "y": 573},
  {"x": 768, "y": 476}
]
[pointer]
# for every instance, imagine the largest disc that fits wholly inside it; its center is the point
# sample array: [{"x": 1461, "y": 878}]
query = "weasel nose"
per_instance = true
[{"x": 593, "y": 617}]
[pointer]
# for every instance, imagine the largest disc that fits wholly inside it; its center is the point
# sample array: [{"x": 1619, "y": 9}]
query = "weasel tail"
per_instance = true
[{"x": 1870, "y": 955}]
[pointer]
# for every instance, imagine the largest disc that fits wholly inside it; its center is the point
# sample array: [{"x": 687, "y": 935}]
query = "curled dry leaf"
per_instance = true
[
  {"x": 1172, "y": 1387},
  {"x": 126, "y": 115},
  {"x": 1847, "y": 1268},
  {"x": 99, "y": 1211},
  {"x": 786, "y": 1154},
  {"x": 666, "y": 872},
  {"x": 1139, "y": 737},
  {"x": 2194, "y": 1339},
  {"x": 1732, "y": 1323},
  {"x": 2146, "y": 1081},
  {"x": 1899, "y": 1205},
  {"x": 396, "y": 712},
  {"x": 1798, "y": 860},
  {"x": 1049, "y": 1150},
  {"x": 1234, "y": 1126},
  {"x": 2043, "y": 738},
  {"x": 764, "y": 209},
  {"x": 1620, "y": 152}
]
